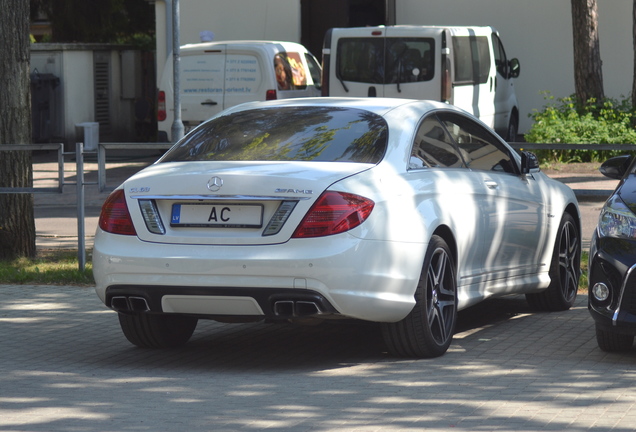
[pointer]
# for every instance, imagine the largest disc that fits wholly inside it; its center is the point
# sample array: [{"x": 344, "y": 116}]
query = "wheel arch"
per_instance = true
[
  {"x": 447, "y": 234},
  {"x": 573, "y": 210}
]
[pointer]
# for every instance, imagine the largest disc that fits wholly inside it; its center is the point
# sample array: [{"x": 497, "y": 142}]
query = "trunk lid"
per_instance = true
[{"x": 228, "y": 203}]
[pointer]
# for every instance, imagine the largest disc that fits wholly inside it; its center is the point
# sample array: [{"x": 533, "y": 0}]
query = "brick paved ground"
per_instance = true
[{"x": 65, "y": 366}]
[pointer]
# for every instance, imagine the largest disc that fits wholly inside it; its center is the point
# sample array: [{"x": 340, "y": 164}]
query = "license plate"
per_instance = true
[{"x": 206, "y": 215}]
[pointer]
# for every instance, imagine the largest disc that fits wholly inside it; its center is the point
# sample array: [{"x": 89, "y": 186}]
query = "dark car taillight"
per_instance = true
[
  {"x": 334, "y": 213},
  {"x": 161, "y": 106},
  {"x": 115, "y": 217}
]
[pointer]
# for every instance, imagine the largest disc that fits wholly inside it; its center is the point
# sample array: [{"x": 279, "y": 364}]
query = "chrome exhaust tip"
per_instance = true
[
  {"x": 129, "y": 304},
  {"x": 299, "y": 308},
  {"x": 306, "y": 308},
  {"x": 284, "y": 308},
  {"x": 119, "y": 304}
]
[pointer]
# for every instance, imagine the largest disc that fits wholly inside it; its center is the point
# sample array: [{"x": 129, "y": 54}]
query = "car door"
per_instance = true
[
  {"x": 515, "y": 226},
  {"x": 474, "y": 76},
  {"x": 455, "y": 196},
  {"x": 359, "y": 65},
  {"x": 410, "y": 64},
  {"x": 202, "y": 84},
  {"x": 243, "y": 76},
  {"x": 505, "y": 98}
]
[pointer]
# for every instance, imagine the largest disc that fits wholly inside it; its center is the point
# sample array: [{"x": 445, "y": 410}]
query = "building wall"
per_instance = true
[
  {"x": 538, "y": 33},
  {"x": 228, "y": 20},
  {"x": 74, "y": 99}
]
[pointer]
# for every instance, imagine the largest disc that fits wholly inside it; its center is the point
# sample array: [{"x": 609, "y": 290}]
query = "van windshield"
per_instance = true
[
  {"x": 328, "y": 134},
  {"x": 386, "y": 60}
]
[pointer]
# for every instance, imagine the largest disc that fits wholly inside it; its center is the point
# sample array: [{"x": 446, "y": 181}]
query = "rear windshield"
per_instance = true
[
  {"x": 386, "y": 60},
  {"x": 328, "y": 134}
]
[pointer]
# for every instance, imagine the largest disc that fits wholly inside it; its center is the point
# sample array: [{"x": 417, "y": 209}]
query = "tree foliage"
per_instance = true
[
  {"x": 564, "y": 120},
  {"x": 99, "y": 21}
]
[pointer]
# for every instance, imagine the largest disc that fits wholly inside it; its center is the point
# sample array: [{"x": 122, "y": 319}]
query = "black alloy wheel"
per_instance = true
[
  {"x": 427, "y": 331},
  {"x": 565, "y": 270}
]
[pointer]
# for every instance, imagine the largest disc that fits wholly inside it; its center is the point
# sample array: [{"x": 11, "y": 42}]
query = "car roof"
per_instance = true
[
  {"x": 379, "y": 106},
  {"x": 246, "y": 43}
]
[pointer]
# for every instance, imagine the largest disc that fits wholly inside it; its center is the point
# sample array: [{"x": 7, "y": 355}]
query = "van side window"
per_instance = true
[
  {"x": 290, "y": 72},
  {"x": 501, "y": 62},
  {"x": 314, "y": 69},
  {"x": 433, "y": 147},
  {"x": 480, "y": 149},
  {"x": 472, "y": 59}
]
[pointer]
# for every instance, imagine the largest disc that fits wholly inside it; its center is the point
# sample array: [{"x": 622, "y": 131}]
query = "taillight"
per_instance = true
[
  {"x": 115, "y": 217},
  {"x": 334, "y": 213},
  {"x": 270, "y": 95},
  {"x": 161, "y": 106},
  {"x": 446, "y": 82}
]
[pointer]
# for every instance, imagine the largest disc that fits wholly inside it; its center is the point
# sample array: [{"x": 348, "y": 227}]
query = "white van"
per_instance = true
[
  {"x": 218, "y": 75},
  {"x": 463, "y": 66}
]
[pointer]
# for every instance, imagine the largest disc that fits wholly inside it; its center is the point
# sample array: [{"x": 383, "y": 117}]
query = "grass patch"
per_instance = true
[
  {"x": 54, "y": 267},
  {"x": 583, "y": 281}
]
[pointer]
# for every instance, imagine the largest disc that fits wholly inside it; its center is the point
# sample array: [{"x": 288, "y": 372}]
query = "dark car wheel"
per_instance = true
[
  {"x": 564, "y": 270},
  {"x": 427, "y": 331},
  {"x": 512, "y": 130},
  {"x": 613, "y": 342},
  {"x": 157, "y": 331}
]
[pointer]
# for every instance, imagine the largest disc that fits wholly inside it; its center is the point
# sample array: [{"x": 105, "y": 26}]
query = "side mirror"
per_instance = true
[
  {"x": 514, "y": 67},
  {"x": 616, "y": 167},
  {"x": 529, "y": 162}
]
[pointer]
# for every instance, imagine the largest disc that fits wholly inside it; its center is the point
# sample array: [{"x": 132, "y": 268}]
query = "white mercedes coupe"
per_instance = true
[{"x": 393, "y": 211}]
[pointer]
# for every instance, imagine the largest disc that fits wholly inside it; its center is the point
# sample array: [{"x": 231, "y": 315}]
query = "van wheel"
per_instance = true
[
  {"x": 513, "y": 127},
  {"x": 427, "y": 331}
]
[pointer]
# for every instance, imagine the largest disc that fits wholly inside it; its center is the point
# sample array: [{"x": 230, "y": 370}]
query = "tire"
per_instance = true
[
  {"x": 427, "y": 331},
  {"x": 157, "y": 330},
  {"x": 565, "y": 269},
  {"x": 511, "y": 133},
  {"x": 613, "y": 342}
]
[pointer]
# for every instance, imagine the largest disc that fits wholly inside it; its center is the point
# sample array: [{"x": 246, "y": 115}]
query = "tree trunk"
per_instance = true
[
  {"x": 17, "y": 226},
  {"x": 634, "y": 45},
  {"x": 588, "y": 74}
]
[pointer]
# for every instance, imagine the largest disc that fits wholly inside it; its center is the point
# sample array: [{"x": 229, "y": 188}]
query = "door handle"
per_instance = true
[
  {"x": 209, "y": 103},
  {"x": 491, "y": 184}
]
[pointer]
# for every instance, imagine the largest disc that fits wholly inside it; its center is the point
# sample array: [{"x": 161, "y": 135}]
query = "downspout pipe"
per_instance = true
[{"x": 177, "y": 129}]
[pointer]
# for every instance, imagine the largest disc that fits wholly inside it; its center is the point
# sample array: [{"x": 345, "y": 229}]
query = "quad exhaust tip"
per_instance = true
[
  {"x": 129, "y": 304},
  {"x": 298, "y": 308}
]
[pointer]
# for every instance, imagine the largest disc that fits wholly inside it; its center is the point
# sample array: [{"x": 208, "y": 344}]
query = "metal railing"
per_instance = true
[
  {"x": 30, "y": 147},
  {"x": 133, "y": 146},
  {"x": 101, "y": 156},
  {"x": 561, "y": 146},
  {"x": 80, "y": 182}
]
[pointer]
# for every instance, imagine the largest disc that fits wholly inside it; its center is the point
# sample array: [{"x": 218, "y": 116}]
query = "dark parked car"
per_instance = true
[{"x": 612, "y": 279}]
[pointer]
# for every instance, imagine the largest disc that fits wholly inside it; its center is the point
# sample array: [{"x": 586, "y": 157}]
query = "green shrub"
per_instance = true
[{"x": 563, "y": 120}]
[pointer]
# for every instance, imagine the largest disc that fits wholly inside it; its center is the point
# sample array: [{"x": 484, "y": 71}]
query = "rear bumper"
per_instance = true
[
  {"x": 342, "y": 275},
  {"x": 242, "y": 304}
]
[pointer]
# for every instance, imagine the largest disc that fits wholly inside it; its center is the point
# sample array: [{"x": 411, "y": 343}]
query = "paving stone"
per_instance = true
[{"x": 65, "y": 365}]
